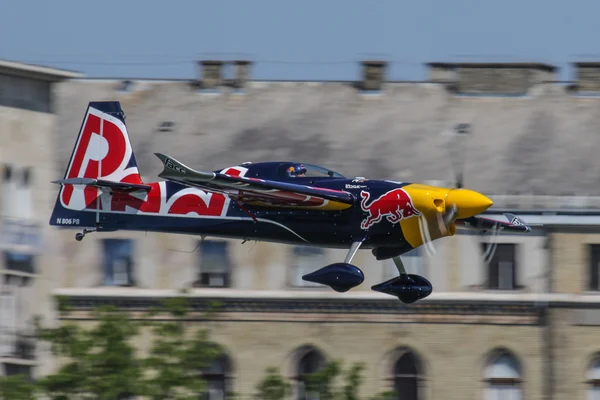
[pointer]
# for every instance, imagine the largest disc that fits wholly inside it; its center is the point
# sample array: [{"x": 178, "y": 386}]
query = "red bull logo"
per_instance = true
[{"x": 395, "y": 205}]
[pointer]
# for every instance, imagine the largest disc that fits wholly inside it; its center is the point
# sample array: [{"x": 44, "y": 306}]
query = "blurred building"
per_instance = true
[
  {"x": 523, "y": 322},
  {"x": 27, "y": 135}
]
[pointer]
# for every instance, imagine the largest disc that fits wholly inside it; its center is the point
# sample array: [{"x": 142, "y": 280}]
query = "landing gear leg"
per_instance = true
[
  {"x": 80, "y": 235},
  {"x": 341, "y": 277},
  {"x": 352, "y": 252},
  {"x": 399, "y": 265}
]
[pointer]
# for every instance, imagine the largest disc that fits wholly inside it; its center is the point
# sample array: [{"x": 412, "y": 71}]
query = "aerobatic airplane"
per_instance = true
[{"x": 279, "y": 201}]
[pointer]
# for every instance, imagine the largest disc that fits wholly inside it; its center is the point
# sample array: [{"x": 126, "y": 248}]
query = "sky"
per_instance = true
[{"x": 286, "y": 39}]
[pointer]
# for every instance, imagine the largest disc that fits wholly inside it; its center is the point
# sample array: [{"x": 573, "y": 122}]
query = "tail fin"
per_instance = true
[{"x": 102, "y": 159}]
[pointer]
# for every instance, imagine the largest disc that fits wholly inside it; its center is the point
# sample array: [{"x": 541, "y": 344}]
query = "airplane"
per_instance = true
[{"x": 276, "y": 201}]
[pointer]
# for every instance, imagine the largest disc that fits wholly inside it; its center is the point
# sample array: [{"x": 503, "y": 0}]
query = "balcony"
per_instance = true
[
  {"x": 17, "y": 345},
  {"x": 20, "y": 235},
  {"x": 19, "y": 264}
]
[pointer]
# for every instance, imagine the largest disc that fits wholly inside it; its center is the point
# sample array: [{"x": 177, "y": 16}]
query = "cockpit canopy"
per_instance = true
[
  {"x": 300, "y": 170},
  {"x": 280, "y": 170}
]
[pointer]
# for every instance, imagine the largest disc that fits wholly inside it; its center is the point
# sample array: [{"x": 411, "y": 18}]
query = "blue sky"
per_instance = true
[{"x": 308, "y": 39}]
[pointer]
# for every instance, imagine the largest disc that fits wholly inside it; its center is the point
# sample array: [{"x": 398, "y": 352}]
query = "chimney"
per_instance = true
[
  {"x": 588, "y": 76},
  {"x": 492, "y": 78},
  {"x": 373, "y": 74},
  {"x": 242, "y": 72},
  {"x": 442, "y": 72},
  {"x": 211, "y": 74}
]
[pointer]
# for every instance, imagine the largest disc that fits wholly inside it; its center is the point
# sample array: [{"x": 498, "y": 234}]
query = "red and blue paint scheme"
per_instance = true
[{"x": 283, "y": 201}]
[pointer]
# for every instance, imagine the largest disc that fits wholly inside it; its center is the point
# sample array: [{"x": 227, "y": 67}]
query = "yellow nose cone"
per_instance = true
[{"x": 468, "y": 202}]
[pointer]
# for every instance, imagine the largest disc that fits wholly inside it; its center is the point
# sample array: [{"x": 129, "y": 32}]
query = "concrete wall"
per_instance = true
[
  {"x": 571, "y": 263},
  {"x": 164, "y": 261},
  {"x": 452, "y": 350}
]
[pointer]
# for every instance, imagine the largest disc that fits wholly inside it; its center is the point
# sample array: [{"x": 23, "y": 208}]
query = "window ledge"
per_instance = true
[
  {"x": 18, "y": 273},
  {"x": 506, "y": 291},
  {"x": 18, "y": 361},
  {"x": 312, "y": 288},
  {"x": 210, "y": 287}
]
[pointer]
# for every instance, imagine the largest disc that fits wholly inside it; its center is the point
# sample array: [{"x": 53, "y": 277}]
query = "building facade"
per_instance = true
[
  {"x": 488, "y": 327},
  {"x": 27, "y": 134},
  {"x": 521, "y": 321}
]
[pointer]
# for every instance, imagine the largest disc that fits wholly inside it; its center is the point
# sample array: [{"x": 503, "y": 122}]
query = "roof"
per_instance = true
[
  {"x": 530, "y": 65},
  {"x": 537, "y": 145},
  {"x": 36, "y": 71},
  {"x": 587, "y": 64}
]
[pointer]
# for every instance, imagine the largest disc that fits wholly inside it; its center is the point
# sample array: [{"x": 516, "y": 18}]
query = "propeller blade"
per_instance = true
[
  {"x": 457, "y": 148},
  {"x": 451, "y": 215}
]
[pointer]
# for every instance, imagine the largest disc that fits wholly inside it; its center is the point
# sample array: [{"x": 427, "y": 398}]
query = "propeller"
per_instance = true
[{"x": 457, "y": 148}]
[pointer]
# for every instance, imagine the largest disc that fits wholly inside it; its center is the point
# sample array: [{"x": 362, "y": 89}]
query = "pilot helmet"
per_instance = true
[{"x": 296, "y": 169}]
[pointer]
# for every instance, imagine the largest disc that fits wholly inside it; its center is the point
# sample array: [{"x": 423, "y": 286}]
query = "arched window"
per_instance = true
[
  {"x": 217, "y": 377},
  {"x": 503, "y": 378},
  {"x": 406, "y": 377},
  {"x": 593, "y": 380},
  {"x": 310, "y": 360}
]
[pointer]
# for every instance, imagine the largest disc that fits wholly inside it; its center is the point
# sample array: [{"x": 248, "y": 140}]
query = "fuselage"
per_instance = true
[{"x": 398, "y": 215}]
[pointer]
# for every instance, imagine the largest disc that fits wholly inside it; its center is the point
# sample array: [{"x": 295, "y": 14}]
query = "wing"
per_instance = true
[
  {"x": 254, "y": 191},
  {"x": 104, "y": 184},
  {"x": 515, "y": 223}
]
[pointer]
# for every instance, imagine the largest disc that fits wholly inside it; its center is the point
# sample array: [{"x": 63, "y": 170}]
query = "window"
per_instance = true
[
  {"x": 217, "y": 379},
  {"x": 406, "y": 377},
  {"x": 18, "y": 228},
  {"x": 215, "y": 267},
  {"x": 17, "y": 232},
  {"x": 23, "y": 194},
  {"x": 18, "y": 369},
  {"x": 413, "y": 263},
  {"x": 310, "y": 361},
  {"x": 593, "y": 380},
  {"x": 502, "y": 268},
  {"x": 503, "y": 378},
  {"x": 19, "y": 262},
  {"x": 16, "y": 188},
  {"x": 8, "y": 322},
  {"x": 306, "y": 259},
  {"x": 25, "y": 93},
  {"x": 118, "y": 262},
  {"x": 594, "y": 279},
  {"x": 9, "y": 190}
]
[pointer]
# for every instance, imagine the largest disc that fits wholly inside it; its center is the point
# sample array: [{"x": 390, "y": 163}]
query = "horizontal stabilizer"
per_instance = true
[
  {"x": 255, "y": 191},
  {"x": 518, "y": 220},
  {"x": 481, "y": 223},
  {"x": 104, "y": 184}
]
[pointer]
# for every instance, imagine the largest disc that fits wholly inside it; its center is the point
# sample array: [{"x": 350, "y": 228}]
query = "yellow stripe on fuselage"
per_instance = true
[{"x": 328, "y": 206}]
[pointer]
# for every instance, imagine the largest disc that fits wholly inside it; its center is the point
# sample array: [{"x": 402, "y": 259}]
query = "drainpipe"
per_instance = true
[{"x": 547, "y": 320}]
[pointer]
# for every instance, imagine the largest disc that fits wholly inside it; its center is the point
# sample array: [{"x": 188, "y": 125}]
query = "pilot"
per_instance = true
[{"x": 297, "y": 170}]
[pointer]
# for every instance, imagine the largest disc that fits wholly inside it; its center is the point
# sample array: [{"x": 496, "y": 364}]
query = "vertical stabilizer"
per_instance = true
[{"x": 102, "y": 152}]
